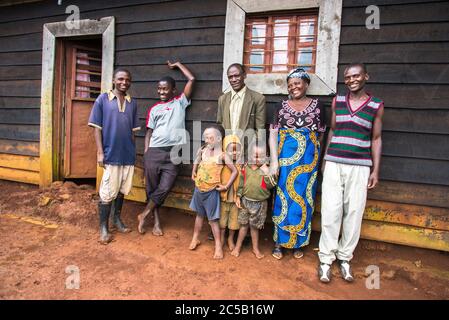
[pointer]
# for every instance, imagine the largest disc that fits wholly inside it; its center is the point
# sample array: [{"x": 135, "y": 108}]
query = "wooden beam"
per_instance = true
[
  {"x": 399, "y": 234},
  {"x": 16, "y": 2},
  {"x": 399, "y": 213},
  {"x": 387, "y": 231},
  {"x": 376, "y": 210},
  {"x": 19, "y": 175},
  {"x": 13, "y": 161},
  {"x": 19, "y": 147}
]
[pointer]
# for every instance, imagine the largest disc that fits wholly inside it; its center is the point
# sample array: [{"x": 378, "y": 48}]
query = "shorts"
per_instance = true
[
  {"x": 115, "y": 179},
  {"x": 229, "y": 216},
  {"x": 206, "y": 204},
  {"x": 253, "y": 212}
]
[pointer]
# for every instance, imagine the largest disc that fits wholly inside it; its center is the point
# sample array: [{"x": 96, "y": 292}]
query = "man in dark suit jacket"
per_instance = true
[{"x": 241, "y": 108}]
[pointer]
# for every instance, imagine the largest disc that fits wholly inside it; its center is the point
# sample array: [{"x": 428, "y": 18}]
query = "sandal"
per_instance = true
[
  {"x": 298, "y": 253},
  {"x": 277, "y": 253}
]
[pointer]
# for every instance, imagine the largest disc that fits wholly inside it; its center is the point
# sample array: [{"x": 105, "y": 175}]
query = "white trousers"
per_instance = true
[
  {"x": 343, "y": 200},
  {"x": 115, "y": 179}
]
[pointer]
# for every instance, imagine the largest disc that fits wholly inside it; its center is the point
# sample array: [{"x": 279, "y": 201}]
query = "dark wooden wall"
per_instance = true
[
  {"x": 148, "y": 33},
  {"x": 408, "y": 61},
  {"x": 407, "y": 58}
]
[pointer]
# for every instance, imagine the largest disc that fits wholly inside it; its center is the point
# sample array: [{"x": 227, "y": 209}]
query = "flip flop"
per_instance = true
[
  {"x": 277, "y": 253},
  {"x": 298, "y": 253}
]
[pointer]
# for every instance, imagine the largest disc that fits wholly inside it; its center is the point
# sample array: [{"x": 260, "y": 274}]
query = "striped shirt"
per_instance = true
[{"x": 351, "y": 141}]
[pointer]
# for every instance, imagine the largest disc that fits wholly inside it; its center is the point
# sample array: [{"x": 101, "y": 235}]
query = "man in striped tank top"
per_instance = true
[{"x": 351, "y": 167}]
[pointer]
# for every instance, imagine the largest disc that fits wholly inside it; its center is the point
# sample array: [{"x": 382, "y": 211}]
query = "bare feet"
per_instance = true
[
  {"x": 231, "y": 244},
  {"x": 194, "y": 244},
  {"x": 218, "y": 254},
  {"x": 141, "y": 219},
  {"x": 235, "y": 252},
  {"x": 157, "y": 231},
  {"x": 258, "y": 254}
]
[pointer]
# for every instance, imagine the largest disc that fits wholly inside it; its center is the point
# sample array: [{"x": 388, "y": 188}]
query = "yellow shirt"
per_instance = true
[
  {"x": 235, "y": 108},
  {"x": 230, "y": 195},
  {"x": 208, "y": 173}
]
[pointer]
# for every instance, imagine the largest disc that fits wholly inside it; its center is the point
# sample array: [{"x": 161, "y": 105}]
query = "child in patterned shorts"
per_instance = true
[{"x": 254, "y": 189}]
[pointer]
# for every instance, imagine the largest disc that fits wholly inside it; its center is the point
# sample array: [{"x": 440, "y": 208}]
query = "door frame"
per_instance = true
[{"x": 104, "y": 27}]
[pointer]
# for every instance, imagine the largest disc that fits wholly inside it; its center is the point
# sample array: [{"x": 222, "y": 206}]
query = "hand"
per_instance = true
[
  {"x": 100, "y": 159},
  {"x": 173, "y": 65},
  {"x": 373, "y": 180},
  {"x": 274, "y": 169},
  {"x": 221, "y": 187},
  {"x": 238, "y": 203},
  {"x": 323, "y": 165},
  {"x": 193, "y": 176},
  {"x": 265, "y": 169}
]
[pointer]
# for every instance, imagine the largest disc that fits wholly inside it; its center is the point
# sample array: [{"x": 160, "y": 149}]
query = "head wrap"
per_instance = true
[
  {"x": 230, "y": 139},
  {"x": 299, "y": 73}
]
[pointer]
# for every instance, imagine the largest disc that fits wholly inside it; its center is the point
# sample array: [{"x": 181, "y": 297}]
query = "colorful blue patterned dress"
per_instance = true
[{"x": 299, "y": 151}]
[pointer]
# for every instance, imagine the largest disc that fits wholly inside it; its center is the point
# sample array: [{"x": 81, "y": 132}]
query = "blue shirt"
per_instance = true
[{"x": 117, "y": 123}]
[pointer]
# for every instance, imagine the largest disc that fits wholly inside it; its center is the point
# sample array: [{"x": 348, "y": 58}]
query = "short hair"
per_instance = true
[
  {"x": 258, "y": 143},
  {"x": 217, "y": 127},
  {"x": 121, "y": 70},
  {"x": 169, "y": 80},
  {"x": 239, "y": 66},
  {"x": 361, "y": 65}
]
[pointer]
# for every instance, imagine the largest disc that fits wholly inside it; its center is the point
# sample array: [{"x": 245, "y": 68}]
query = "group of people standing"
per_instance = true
[{"x": 233, "y": 174}]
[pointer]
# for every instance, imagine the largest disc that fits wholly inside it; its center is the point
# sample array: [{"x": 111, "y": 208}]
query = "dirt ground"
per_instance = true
[{"x": 44, "y": 232}]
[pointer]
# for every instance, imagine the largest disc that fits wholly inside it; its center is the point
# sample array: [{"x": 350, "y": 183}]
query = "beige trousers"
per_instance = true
[
  {"x": 115, "y": 179},
  {"x": 343, "y": 200}
]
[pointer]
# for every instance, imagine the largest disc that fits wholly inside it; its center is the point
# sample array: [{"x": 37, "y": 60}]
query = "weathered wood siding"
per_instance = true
[
  {"x": 408, "y": 60},
  {"x": 148, "y": 33}
]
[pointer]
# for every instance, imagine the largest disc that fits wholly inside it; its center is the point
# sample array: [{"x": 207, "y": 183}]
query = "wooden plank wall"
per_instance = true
[
  {"x": 408, "y": 60},
  {"x": 148, "y": 32}
]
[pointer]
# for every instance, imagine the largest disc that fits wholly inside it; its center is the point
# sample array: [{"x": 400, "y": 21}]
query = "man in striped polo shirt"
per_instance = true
[{"x": 351, "y": 167}]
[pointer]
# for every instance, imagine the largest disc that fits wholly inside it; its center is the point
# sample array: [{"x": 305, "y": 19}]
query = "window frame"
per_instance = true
[
  {"x": 324, "y": 81},
  {"x": 293, "y": 44}
]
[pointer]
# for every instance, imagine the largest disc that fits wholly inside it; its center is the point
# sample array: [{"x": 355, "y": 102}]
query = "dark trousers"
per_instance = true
[{"x": 160, "y": 174}]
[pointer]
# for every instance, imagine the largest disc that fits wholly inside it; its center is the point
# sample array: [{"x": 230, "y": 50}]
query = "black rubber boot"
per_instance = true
[
  {"x": 117, "y": 210},
  {"x": 104, "y": 209}
]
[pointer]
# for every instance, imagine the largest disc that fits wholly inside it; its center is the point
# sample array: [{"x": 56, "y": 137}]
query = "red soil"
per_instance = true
[{"x": 34, "y": 258}]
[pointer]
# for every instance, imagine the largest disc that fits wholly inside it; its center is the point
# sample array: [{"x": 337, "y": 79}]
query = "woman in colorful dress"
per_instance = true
[{"x": 296, "y": 132}]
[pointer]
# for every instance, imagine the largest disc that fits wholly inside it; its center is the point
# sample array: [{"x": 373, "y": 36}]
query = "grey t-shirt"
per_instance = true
[{"x": 167, "y": 119}]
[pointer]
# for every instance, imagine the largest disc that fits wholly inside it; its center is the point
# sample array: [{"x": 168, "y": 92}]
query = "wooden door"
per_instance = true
[{"x": 83, "y": 85}]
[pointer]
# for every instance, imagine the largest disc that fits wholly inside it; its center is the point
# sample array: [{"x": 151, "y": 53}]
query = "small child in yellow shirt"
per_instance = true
[{"x": 229, "y": 211}]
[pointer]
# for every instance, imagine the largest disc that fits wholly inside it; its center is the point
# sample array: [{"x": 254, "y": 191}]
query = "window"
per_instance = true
[
  {"x": 88, "y": 73},
  {"x": 278, "y": 43},
  {"x": 271, "y": 37}
]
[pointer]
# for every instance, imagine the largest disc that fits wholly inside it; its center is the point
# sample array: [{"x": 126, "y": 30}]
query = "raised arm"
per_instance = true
[
  {"x": 376, "y": 148},
  {"x": 191, "y": 79}
]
